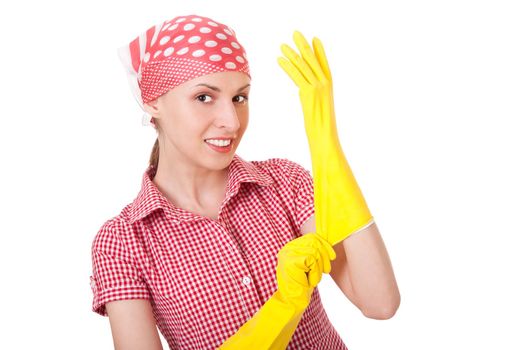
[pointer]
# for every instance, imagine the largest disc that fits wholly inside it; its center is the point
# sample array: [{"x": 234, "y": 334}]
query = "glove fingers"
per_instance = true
[
  {"x": 325, "y": 260},
  {"x": 325, "y": 251},
  {"x": 296, "y": 272},
  {"x": 314, "y": 239},
  {"x": 315, "y": 274},
  {"x": 329, "y": 249},
  {"x": 301, "y": 65},
  {"x": 321, "y": 57},
  {"x": 302, "y": 261},
  {"x": 292, "y": 72},
  {"x": 308, "y": 55},
  {"x": 305, "y": 257},
  {"x": 313, "y": 245},
  {"x": 303, "y": 266}
]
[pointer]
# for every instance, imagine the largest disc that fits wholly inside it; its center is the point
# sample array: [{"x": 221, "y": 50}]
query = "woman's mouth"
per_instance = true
[{"x": 222, "y": 146}]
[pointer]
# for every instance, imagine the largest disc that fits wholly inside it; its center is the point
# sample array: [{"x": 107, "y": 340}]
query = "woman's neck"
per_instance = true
[{"x": 190, "y": 187}]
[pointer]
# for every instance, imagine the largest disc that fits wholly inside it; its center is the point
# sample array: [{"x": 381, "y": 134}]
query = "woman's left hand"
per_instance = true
[
  {"x": 340, "y": 208},
  {"x": 311, "y": 73}
]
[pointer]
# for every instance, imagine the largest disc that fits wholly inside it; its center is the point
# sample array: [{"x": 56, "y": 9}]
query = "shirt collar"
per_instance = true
[{"x": 150, "y": 198}]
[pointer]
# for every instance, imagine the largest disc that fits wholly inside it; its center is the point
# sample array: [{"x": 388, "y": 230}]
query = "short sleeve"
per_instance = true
[
  {"x": 304, "y": 201},
  {"x": 302, "y": 185},
  {"x": 115, "y": 275}
]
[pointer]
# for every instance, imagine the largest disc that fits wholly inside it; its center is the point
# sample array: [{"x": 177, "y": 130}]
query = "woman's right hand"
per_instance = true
[{"x": 300, "y": 265}]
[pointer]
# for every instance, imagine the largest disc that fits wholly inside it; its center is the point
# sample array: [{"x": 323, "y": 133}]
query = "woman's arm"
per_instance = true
[
  {"x": 133, "y": 325},
  {"x": 363, "y": 272}
]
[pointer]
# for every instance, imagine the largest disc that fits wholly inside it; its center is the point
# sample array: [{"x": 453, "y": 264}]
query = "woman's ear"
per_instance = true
[{"x": 152, "y": 107}]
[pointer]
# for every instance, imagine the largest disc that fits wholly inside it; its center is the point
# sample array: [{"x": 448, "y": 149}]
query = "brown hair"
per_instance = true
[
  {"x": 155, "y": 151},
  {"x": 154, "y": 157}
]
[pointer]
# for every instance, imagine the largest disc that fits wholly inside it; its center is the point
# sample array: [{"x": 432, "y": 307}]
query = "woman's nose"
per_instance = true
[{"x": 227, "y": 116}]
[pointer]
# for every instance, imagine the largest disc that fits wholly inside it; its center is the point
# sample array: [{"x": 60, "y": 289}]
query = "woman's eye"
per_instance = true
[
  {"x": 204, "y": 98},
  {"x": 241, "y": 99}
]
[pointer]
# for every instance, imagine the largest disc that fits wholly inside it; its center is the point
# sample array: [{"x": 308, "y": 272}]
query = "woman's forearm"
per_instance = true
[{"x": 371, "y": 274}]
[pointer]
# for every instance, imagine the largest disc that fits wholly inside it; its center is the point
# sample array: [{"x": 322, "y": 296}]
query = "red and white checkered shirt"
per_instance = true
[{"x": 205, "y": 278}]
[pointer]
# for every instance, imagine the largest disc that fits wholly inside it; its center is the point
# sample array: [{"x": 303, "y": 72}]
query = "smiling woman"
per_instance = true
[
  {"x": 200, "y": 124},
  {"x": 210, "y": 107},
  {"x": 212, "y": 251}
]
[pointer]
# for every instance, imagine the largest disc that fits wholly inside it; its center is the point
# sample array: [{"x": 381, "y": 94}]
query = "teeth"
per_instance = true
[{"x": 220, "y": 143}]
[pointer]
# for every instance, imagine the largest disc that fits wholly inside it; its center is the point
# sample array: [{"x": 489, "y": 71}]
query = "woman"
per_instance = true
[{"x": 196, "y": 252}]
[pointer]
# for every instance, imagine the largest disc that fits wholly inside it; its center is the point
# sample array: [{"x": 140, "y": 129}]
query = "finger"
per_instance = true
[
  {"x": 331, "y": 252},
  {"x": 304, "y": 263},
  {"x": 325, "y": 251},
  {"x": 321, "y": 57},
  {"x": 305, "y": 258},
  {"x": 314, "y": 264},
  {"x": 292, "y": 72},
  {"x": 321, "y": 260},
  {"x": 314, "y": 239},
  {"x": 310, "y": 245},
  {"x": 325, "y": 258},
  {"x": 315, "y": 274},
  {"x": 299, "y": 63},
  {"x": 308, "y": 55}
]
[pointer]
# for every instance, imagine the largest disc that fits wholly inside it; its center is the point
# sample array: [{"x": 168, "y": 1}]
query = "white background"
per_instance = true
[{"x": 430, "y": 105}]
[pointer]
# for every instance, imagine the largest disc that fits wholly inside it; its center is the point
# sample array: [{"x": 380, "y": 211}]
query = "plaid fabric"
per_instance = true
[{"x": 205, "y": 278}]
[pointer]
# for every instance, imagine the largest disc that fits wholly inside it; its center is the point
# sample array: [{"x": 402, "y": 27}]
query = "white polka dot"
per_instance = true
[
  {"x": 198, "y": 53},
  {"x": 215, "y": 58},
  {"x": 197, "y": 19},
  {"x": 168, "y": 51},
  {"x": 210, "y": 43},
  {"x": 244, "y": 54},
  {"x": 235, "y": 45},
  {"x": 183, "y": 51},
  {"x": 164, "y": 40},
  {"x": 179, "y": 38},
  {"x": 189, "y": 26},
  {"x": 180, "y": 20},
  {"x": 205, "y": 30},
  {"x": 239, "y": 59},
  {"x": 226, "y": 50},
  {"x": 146, "y": 57},
  {"x": 173, "y": 26},
  {"x": 230, "y": 65},
  {"x": 194, "y": 39},
  {"x": 227, "y": 31},
  {"x": 221, "y": 36},
  {"x": 157, "y": 53},
  {"x": 166, "y": 26},
  {"x": 213, "y": 24}
]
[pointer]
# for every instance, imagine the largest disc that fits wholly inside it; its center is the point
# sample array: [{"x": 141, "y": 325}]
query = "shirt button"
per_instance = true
[{"x": 246, "y": 280}]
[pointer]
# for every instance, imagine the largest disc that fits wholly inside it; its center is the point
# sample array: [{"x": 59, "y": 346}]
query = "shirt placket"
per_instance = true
[{"x": 238, "y": 269}]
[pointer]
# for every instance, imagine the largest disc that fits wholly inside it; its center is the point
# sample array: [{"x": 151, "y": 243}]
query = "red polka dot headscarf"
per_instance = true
[{"x": 178, "y": 50}]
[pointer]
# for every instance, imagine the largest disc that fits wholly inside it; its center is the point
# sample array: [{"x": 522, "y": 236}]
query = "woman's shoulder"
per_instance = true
[
  {"x": 113, "y": 231},
  {"x": 283, "y": 169}
]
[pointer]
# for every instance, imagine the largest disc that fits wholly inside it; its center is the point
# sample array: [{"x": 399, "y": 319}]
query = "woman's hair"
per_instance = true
[
  {"x": 154, "y": 157},
  {"x": 155, "y": 151}
]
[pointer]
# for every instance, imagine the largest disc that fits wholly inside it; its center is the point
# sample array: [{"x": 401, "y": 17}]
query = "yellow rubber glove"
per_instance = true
[
  {"x": 340, "y": 208},
  {"x": 300, "y": 265}
]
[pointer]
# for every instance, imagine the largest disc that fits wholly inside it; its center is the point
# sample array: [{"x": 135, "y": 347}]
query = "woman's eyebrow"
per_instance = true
[{"x": 215, "y": 88}]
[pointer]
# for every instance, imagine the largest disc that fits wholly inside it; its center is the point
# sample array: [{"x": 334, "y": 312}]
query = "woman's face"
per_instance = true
[{"x": 208, "y": 107}]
